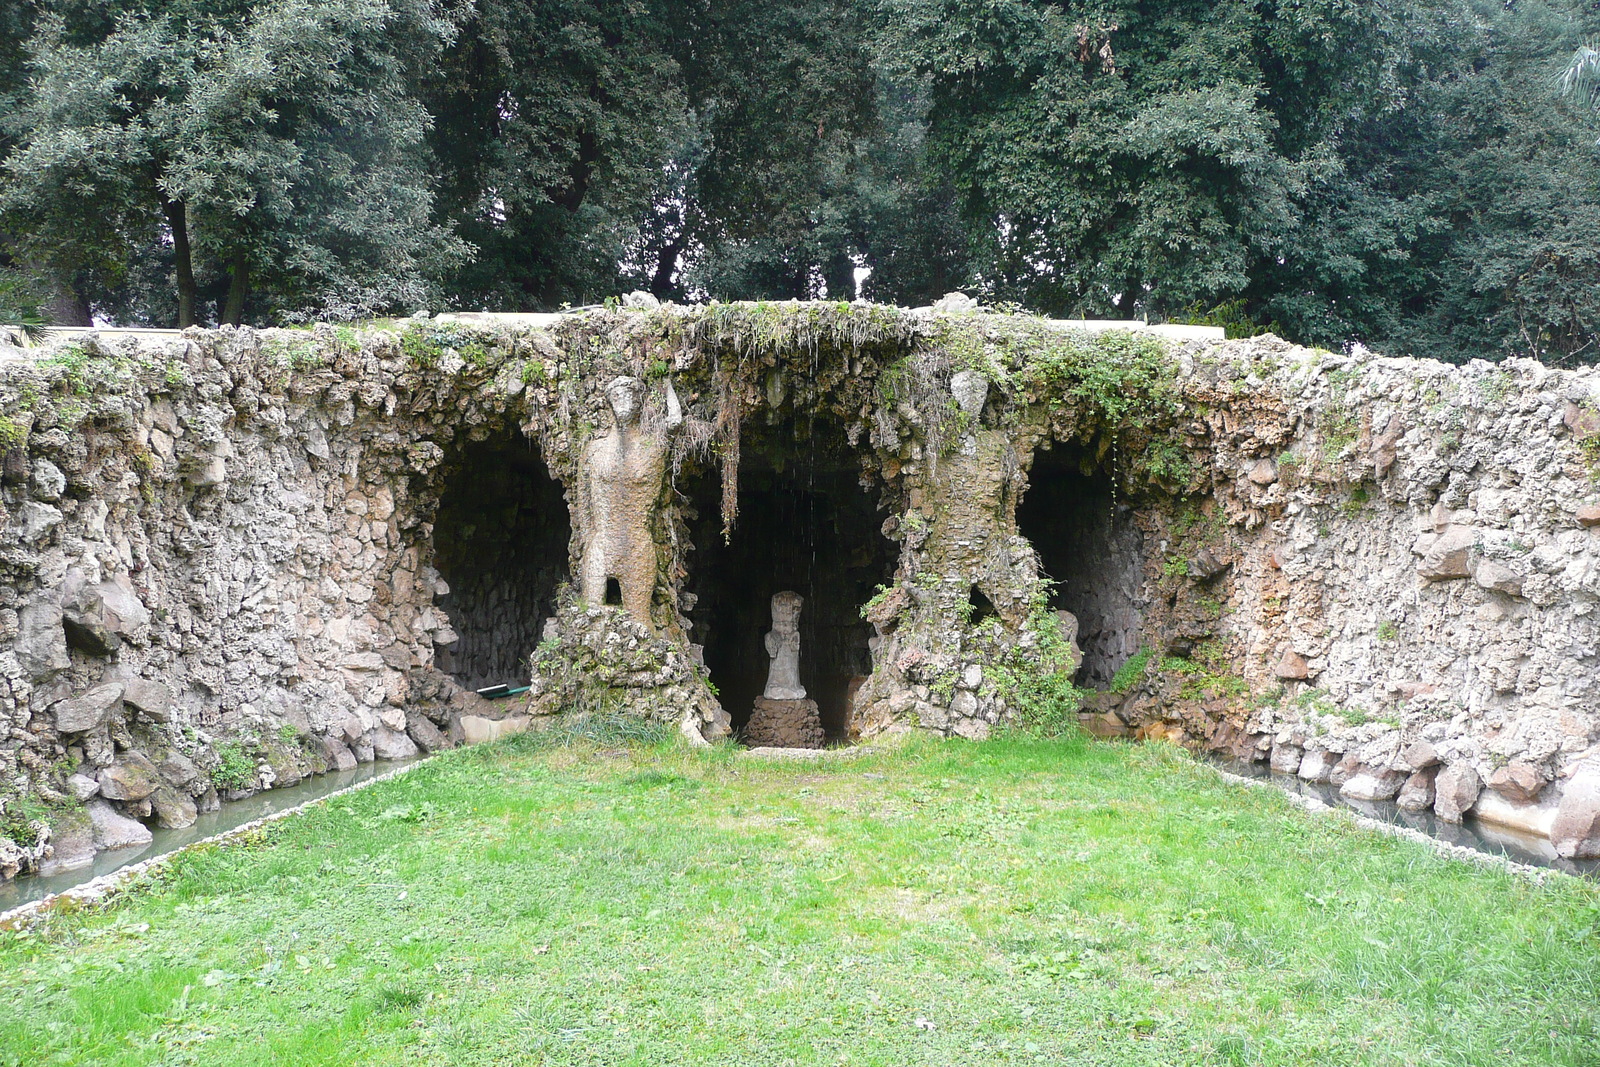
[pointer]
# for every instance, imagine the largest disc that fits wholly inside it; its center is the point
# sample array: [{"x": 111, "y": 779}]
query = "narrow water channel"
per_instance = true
[
  {"x": 1479, "y": 836},
  {"x": 31, "y": 887}
]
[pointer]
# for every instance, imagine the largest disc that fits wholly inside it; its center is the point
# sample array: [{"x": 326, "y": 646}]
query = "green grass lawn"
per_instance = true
[{"x": 1011, "y": 902}]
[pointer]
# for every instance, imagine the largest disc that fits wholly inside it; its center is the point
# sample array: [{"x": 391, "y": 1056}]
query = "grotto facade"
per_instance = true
[{"x": 234, "y": 558}]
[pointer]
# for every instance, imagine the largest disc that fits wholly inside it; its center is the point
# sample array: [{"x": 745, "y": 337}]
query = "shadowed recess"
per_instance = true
[
  {"x": 1090, "y": 546},
  {"x": 805, "y": 524},
  {"x": 500, "y": 542}
]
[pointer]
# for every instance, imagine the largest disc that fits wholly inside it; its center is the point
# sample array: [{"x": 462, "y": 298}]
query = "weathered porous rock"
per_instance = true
[
  {"x": 261, "y": 524},
  {"x": 1456, "y": 790}
]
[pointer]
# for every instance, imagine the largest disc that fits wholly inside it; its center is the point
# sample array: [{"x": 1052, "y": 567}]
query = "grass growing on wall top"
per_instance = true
[{"x": 1013, "y": 902}]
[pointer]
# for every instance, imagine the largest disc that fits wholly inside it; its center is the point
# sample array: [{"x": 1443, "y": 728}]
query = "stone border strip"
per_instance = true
[
  {"x": 1311, "y": 805},
  {"x": 845, "y": 752},
  {"x": 99, "y": 890}
]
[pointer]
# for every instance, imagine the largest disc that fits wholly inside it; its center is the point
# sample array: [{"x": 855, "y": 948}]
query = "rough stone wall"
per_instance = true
[{"x": 219, "y": 553}]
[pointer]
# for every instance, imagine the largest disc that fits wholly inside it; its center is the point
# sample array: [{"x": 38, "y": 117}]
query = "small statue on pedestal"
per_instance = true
[
  {"x": 783, "y": 717},
  {"x": 783, "y": 645}
]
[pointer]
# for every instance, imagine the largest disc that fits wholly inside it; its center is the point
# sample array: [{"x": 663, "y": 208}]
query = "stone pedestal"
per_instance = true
[{"x": 784, "y": 724}]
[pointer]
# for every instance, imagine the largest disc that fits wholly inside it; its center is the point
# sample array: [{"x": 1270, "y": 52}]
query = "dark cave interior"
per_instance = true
[
  {"x": 1090, "y": 546},
  {"x": 500, "y": 542},
  {"x": 805, "y": 524}
]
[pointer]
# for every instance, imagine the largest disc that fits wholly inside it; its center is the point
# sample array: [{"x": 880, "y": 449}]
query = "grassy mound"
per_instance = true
[{"x": 607, "y": 901}]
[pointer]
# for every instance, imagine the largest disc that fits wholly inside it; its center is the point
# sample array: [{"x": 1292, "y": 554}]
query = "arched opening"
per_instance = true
[
  {"x": 500, "y": 542},
  {"x": 805, "y": 524},
  {"x": 1090, "y": 546}
]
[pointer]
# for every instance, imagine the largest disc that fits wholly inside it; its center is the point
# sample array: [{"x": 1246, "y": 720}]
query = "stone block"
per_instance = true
[
  {"x": 152, "y": 700},
  {"x": 71, "y": 842},
  {"x": 1456, "y": 790},
  {"x": 1537, "y": 819},
  {"x": 428, "y": 737},
  {"x": 1498, "y": 578},
  {"x": 391, "y": 744},
  {"x": 1417, "y": 793},
  {"x": 1286, "y": 759},
  {"x": 174, "y": 809},
  {"x": 1450, "y": 555},
  {"x": 475, "y": 729},
  {"x": 131, "y": 778},
  {"x": 179, "y": 771},
  {"x": 1419, "y": 755},
  {"x": 1292, "y": 667},
  {"x": 41, "y": 642},
  {"x": 1575, "y": 833},
  {"x": 1346, "y": 769},
  {"x": 112, "y": 830},
  {"x": 1371, "y": 784},
  {"x": 87, "y": 711},
  {"x": 1317, "y": 765},
  {"x": 1518, "y": 782},
  {"x": 971, "y": 729},
  {"x": 1588, "y": 515},
  {"x": 1263, "y": 472},
  {"x": 338, "y": 754}
]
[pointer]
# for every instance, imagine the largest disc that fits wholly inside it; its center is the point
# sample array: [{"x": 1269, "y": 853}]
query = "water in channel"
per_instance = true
[
  {"x": 1475, "y": 834},
  {"x": 31, "y": 887}
]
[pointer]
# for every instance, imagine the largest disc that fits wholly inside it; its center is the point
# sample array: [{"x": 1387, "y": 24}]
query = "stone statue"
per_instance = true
[
  {"x": 971, "y": 391},
  {"x": 783, "y": 645},
  {"x": 976, "y": 485},
  {"x": 621, "y": 481}
]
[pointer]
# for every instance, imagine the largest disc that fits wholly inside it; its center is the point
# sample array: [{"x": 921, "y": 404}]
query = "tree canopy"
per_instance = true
[{"x": 1416, "y": 176}]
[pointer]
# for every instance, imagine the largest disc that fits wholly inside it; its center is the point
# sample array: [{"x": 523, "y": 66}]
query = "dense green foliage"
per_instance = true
[
  {"x": 1415, "y": 176},
  {"x": 1014, "y": 902}
]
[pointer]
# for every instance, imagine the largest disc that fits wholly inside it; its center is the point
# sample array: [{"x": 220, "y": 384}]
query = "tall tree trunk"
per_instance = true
[
  {"x": 233, "y": 314},
  {"x": 178, "y": 222},
  {"x": 63, "y": 304}
]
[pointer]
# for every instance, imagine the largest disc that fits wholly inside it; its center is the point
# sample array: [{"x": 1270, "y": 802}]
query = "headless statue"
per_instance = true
[
  {"x": 783, "y": 645},
  {"x": 975, "y": 482},
  {"x": 622, "y": 478}
]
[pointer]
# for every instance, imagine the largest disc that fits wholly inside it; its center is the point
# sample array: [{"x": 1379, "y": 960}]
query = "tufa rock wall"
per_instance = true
[{"x": 234, "y": 558}]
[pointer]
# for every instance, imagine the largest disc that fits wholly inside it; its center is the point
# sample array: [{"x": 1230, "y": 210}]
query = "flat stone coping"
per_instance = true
[
  {"x": 545, "y": 320},
  {"x": 773, "y": 752}
]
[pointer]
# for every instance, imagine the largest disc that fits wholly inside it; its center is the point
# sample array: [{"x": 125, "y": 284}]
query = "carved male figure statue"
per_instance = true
[
  {"x": 620, "y": 488},
  {"x": 783, "y": 645}
]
